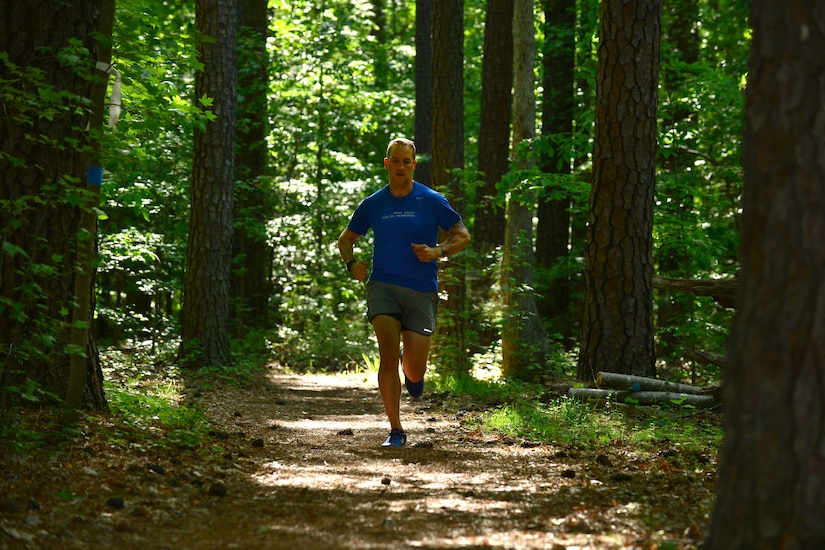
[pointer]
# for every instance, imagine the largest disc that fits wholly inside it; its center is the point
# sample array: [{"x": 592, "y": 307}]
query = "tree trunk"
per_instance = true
[
  {"x": 205, "y": 315},
  {"x": 379, "y": 32},
  {"x": 553, "y": 229},
  {"x": 523, "y": 341},
  {"x": 251, "y": 250},
  {"x": 423, "y": 88},
  {"x": 448, "y": 155},
  {"x": 493, "y": 162},
  {"x": 40, "y": 184},
  {"x": 617, "y": 329},
  {"x": 82, "y": 343},
  {"x": 771, "y": 489},
  {"x": 494, "y": 132}
]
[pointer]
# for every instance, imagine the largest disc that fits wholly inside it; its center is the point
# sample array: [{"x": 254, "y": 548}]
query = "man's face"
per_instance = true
[{"x": 400, "y": 164}]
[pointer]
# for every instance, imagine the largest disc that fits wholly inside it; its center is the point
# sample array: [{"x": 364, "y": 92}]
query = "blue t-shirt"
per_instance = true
[{"x": 396, "y": 222}]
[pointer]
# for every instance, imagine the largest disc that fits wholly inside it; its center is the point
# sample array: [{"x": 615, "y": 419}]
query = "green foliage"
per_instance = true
[
  {"x": 41, "y": 117},
  {"x": 26, "y": 411},
  {"x": 148, "y": 167},
  {"x": 145, "y": 290},
  {"x": 699, "y": 181},
  {"x": 157, "y": 408},
  {"x": 148, "y": 400},
  {"x": 370, "y": 362},
  {"x": 563, "y": 422},
  {"x": 487, "y": 389},
  {"x": 249, "y": 356},
  {"x": 336, "y": 95},
  {"x": 329, "y": 130}
]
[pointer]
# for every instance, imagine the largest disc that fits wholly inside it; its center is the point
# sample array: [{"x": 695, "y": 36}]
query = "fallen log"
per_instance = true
[
  {"x": 723, "y": 291},
  {"x": 643, "y": 397},
  {"x": 629, "y": 382},
  {"x": 705, "y": 357},
  {"x": 681, "y": 399}
]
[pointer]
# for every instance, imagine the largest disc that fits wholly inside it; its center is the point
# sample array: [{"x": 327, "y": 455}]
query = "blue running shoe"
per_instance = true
[
  {"x": 397, "y": 438},
  {"x": 415, "y": 389}
]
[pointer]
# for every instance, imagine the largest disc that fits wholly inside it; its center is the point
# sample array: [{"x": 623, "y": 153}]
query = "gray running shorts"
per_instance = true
[{"x": 415, "y": 310}]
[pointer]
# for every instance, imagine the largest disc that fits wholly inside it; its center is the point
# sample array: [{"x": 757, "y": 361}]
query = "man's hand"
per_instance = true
[
  {"x": 426, "y": 253},
  {"x": 360, "y": 270}
]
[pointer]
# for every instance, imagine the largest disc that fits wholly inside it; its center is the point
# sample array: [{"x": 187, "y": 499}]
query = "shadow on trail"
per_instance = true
[{"x": 321, "y": 480}]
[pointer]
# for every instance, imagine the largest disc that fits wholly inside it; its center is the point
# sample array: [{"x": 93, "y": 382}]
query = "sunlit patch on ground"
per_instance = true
[{"x": 295, "y": 462}]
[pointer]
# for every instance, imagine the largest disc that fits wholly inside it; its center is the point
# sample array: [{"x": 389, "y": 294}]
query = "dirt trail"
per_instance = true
[{"x": 302, "y": 468}]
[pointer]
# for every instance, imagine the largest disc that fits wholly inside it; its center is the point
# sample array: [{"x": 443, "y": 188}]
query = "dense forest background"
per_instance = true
[
  {"x": 340, "y": 82},
  {"x": 322, "y": 87},
  {"x": 173, "y": 178}
]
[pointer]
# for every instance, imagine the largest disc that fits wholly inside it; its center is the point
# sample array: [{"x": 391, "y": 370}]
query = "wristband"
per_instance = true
[{"x": 349, "y": 263}]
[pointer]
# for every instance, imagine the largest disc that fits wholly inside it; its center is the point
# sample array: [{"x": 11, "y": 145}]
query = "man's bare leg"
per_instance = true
[
  {"x": 416, "y": 352},
  {"x": 388, "y": 332}
]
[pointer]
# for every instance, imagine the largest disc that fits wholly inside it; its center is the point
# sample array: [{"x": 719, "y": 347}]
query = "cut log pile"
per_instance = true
[{"x": 640, "y": 390}]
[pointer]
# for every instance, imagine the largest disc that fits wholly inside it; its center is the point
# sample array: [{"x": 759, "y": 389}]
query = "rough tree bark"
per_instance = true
[
  {"x": 494, "y": 132},
  {"x": 205, "y": 315},
  {"x": 524, "y": 344},
  {"x": 553, "y": 228},
  {"x": 771, "y": 490},
  {"x": 448, "y": 155},
  {"x": 84, "y": 287},
  {"x": 493, "y": 162},
  {"x": 42, "y": 176},
  {"x": 423, "y": 88},
  {"x": 617, "y": 329}
]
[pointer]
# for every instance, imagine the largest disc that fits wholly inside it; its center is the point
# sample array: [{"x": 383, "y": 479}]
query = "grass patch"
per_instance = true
[
  {"x": 564, "y": 421},
  {"x": 148, "y": 405},
  {"x": 522, "y": 411},
  {"x": 156, "y": 409},
  {"x": 483, "y": 390}
]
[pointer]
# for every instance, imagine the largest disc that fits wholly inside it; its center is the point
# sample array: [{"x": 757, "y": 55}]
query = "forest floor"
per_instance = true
[{"x": 294, "y": 461}]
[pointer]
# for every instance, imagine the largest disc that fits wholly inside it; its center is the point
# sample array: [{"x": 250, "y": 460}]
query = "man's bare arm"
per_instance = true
[
  {"x": 346, "y": 242},
  {"x": 457, "y": 240}
]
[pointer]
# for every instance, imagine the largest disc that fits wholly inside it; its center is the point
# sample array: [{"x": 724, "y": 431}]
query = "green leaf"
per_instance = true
[{"x": 12, "y": 250}]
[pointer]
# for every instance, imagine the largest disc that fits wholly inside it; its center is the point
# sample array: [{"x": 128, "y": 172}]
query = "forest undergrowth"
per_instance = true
[{"x": 277, "y": 459}]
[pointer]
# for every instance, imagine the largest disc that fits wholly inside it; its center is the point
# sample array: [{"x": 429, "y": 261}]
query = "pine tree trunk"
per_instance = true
[
  {"x": 81, "y": 338},
  {"x": 617, "y": 329},
  {"x": 494, "y": 132},
  {"x": 423, "y": 87},
  {"x": 205, "y": 315},
  {"x": 489, "y": 222},
  {"x": 40, "y": 180},
  {"x": 448, "y": 155},
  {"x": 553, "y": 228},
  {"x": 524, "y": 344},
  {"x": 771, "y": 489}
]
